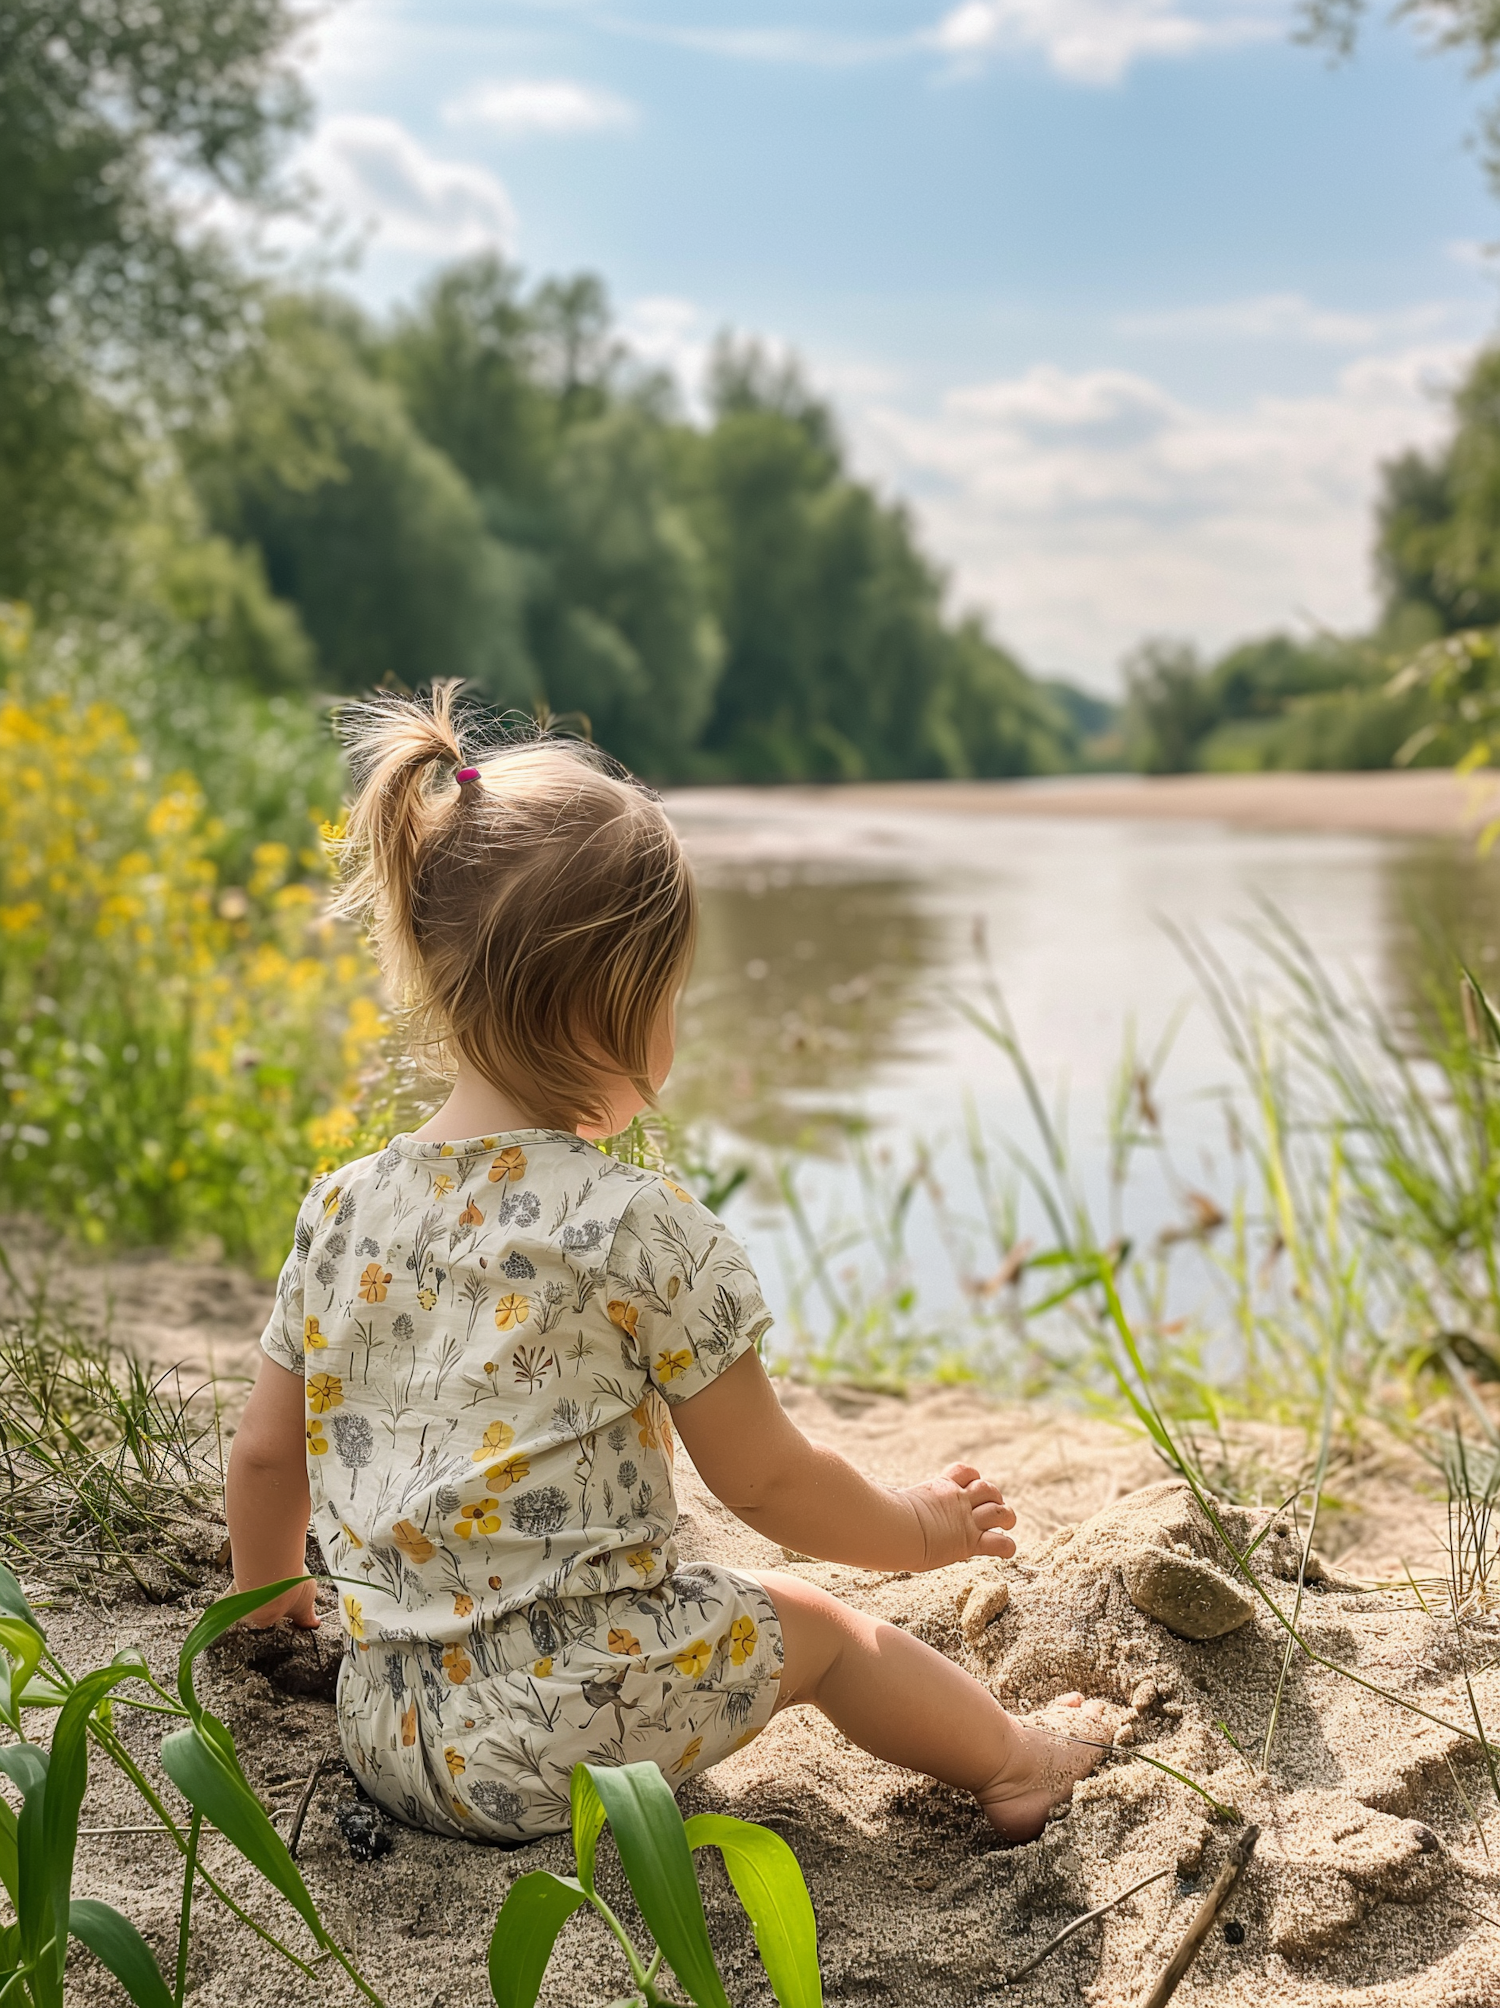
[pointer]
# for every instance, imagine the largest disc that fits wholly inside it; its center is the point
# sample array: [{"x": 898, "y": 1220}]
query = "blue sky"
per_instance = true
[{"x": 1127, "y": 298}]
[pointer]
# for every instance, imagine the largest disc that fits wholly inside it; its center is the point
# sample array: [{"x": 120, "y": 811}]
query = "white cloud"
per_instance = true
[
  {"x": 1288, "y": 317},
  {"x": 551, "y": 106},
  {"x": 1082, "y": 510},
  {"x": 376, "y": 174},
  {"x": 1097, "y": 41}
]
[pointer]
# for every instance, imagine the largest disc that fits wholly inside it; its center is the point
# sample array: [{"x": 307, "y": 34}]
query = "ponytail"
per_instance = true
[{"x": 394, "y": 743}]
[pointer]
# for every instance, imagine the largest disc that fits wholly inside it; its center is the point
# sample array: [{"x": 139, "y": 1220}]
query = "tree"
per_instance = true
[
  {"x": 367, "y": 529},
  {"x": 112, "y": 116},
  {"x": 1168, "y": 707}
]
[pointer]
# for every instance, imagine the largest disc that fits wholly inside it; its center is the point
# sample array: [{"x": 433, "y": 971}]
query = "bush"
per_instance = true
[{"x": 178, "y": 1054}]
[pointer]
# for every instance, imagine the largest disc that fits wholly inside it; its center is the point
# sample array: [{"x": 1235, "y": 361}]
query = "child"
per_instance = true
[{"x": 485, "y": 1334}]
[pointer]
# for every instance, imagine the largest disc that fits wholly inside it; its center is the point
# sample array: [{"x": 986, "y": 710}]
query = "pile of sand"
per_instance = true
[{"x": 1370, "y": 1881}]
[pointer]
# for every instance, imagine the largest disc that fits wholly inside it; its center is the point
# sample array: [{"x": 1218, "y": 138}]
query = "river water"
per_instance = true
[{"x": 838, "y": 939}]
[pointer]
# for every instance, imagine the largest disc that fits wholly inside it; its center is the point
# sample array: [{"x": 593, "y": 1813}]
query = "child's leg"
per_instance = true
[{"x": 905, "y": 1703}]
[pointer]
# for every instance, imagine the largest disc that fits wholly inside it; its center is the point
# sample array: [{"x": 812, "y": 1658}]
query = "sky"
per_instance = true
[{"x": 1126, "y": 299}]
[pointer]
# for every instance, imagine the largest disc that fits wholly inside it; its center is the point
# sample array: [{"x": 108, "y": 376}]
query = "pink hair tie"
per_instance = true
[{"x": 466, "y": 774}]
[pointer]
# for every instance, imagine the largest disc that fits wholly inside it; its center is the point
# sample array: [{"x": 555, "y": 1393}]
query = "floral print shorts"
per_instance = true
[{"x": 479, "y": 1740}]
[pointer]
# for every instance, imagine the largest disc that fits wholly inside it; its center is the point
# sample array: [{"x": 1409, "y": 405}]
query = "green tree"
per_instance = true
[
  {"x": 370, "y": 532},
  {"x": 111, "y": 115}
]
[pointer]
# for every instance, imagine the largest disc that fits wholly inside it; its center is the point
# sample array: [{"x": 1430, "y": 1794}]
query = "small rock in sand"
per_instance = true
[
  {"x": 982, "y": 1606},
  {"x": 1189, "y": 1597},
  {"x": 365, "y": 1833}
]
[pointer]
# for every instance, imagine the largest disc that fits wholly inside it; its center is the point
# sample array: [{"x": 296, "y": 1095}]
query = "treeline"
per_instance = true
[
  {"x": 275, "y": 493},
  {"x": 1409, "y": 692}
]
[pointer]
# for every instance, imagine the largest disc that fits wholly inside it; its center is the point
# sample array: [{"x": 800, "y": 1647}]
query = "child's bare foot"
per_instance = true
[{"x": 1051, "y": 1751}]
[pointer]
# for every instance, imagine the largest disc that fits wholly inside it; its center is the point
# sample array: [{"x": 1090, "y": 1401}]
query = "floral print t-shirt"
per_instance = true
[{"x": 490, "y": 1333}]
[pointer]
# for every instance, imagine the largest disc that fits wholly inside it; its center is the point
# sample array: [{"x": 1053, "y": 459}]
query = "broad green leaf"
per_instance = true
[
  {"x": 588, "y": 1823},
  {"x": 647, "y": 1827},
  {"x": 116, "y": 1943},
  {"x": 215, "y": 1621},
  {"x": 536, "y": 1908},
  {"x": 13, "y": 1601},
  {"x": 26, "y": 1766},
  {"x": 67, "y": 1780},
  {"x": 201, "y": 1763},
  {"x": 10, "y": 1875},
  {"x": 768, "y": 1881},
  {"x": 44, "y": 1693}
]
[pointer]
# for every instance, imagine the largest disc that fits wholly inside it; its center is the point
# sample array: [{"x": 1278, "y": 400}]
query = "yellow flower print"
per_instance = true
[
  {"x": 409, "y": 1725},
  {"x": 623, "y": 1641},
  {"x": 670, "y": 1365},
  {"x": 692, "y": 1661},
  {"x": 442, "y": 1185},
  {"x": 462, "y": 1605},
  {"x": 498, "y": 1436},
  {"x": 374, "y": 1283},
  {"x": 313, "y": 1340},
  {"x": 542, "y": 1668},
  {"x": 626, "y": 1316},
  {"x": 478, "y": 1518},
  {"x": 349, "y": 1534},
  {"x": 354, "y": 1617},
  {"x": 511, "y": 1472},
  {"x": 456, "y": 1762},
  {"x": 324, "y": 1391},
  {"x": 330, "y": 1204},
  {"x": 412, "y": 1542},
  {"x": 457, "y": 1664},
  {"x": 642, "y": 1560},
  {"x": 460, "y": 1810},
  {"x": 509, "y": 1164},
  {"x": 471, "y": 1216},
  {"x": 427, "y": 1298},
  {"x": 512, "y": 1311},
  {"x": 689, "y": 1756},
  {"x": 742, "y": 1637},
  {"x": 317, "y": 1442},
  {"x": 677, "y": 1191}
]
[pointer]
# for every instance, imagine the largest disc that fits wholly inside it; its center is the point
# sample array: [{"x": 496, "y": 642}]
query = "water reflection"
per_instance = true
[{"x": 808, "y": 983}]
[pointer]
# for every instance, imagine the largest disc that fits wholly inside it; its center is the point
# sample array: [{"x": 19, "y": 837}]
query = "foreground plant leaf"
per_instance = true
[
  {"x": 116, "y": 1943},
  {"x": 536, "y": 1908},
  {"x": 648, "y": 1831},
  {"x": 768, "y": 1881}
]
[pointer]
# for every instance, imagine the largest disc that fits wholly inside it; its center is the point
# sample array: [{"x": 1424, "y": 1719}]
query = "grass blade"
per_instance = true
[
  {"x": 648, "y": 1831},
  {"x": 536, "y": 1908},
  {"x": 219, "y": 1618},
  {"x": 768, "y": 1881}
]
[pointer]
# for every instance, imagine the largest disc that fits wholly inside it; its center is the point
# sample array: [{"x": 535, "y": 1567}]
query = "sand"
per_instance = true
[
  {"x": 1369, "y": 1883},
  {"x": 1425, "y": 802}
]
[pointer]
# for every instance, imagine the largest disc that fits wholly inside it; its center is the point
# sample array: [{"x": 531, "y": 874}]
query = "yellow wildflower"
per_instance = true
[
  {"x": 457, "y": 1664},
  {"x": 456, "y": 1762},
  {"x": 427, "y": 1298},
  {"x": 317, "y": 1442},
  {"x": 622, "y": 1641},
  {"x": 542, "y": 1668},
  {"x": 374, "y": 1283},
  {"x": 690, "y": 1755},
  {"x": 412, "y": 1542},
  {"x": 626, "y": 1316},
  {"x": 510, "y": 1472},
  {"x": 742, "y": 1637},
  {"x": 670, "y": 1365},
  {"x": 313, "y": 1339},
  {"x": 509, "y": 1164},
  {"x": 354, "y": 1617},
  {"x": 510, "y": 1311},
  {"x": 462, "y": 1605}
]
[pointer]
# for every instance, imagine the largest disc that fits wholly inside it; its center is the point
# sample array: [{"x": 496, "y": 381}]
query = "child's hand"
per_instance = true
[
  {"x": 298, "y": 1605},
  {"x": 960, "y": 1514}
]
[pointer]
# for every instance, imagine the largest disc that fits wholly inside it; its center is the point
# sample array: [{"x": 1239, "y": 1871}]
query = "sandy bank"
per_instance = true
[{"x": 1430, "y": 802}]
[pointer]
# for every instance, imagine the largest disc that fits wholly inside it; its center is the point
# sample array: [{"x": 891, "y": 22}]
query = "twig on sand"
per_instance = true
[
  {"x": 1198, "y": 1930},
  {"x": 295, "y": 1835},
  {"x": 1089, "y": 1917}
]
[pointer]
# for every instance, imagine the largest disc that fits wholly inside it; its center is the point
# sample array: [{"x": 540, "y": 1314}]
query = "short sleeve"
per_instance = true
[
  {"x": 282, "y": 1339},
  {"x": 683, "y": 1286}
]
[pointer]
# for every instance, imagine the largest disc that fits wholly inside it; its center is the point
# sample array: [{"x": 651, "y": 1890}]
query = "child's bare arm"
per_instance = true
[
  {"x": 266, "y": 1495},
  {"x": 805, "y": 1496}
]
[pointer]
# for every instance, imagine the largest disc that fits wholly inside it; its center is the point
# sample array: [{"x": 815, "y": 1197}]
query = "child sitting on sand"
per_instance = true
[{"x": 485, "y": 1334}]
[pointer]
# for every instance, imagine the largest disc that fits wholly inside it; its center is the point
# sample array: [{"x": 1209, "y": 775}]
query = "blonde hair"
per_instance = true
[{"x": 536, "y": 918}]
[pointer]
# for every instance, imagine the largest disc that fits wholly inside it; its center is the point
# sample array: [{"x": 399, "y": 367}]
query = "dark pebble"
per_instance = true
[
  {"x": 1234, "y": 1932},
  {"x": 365, "y": 1832}
]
